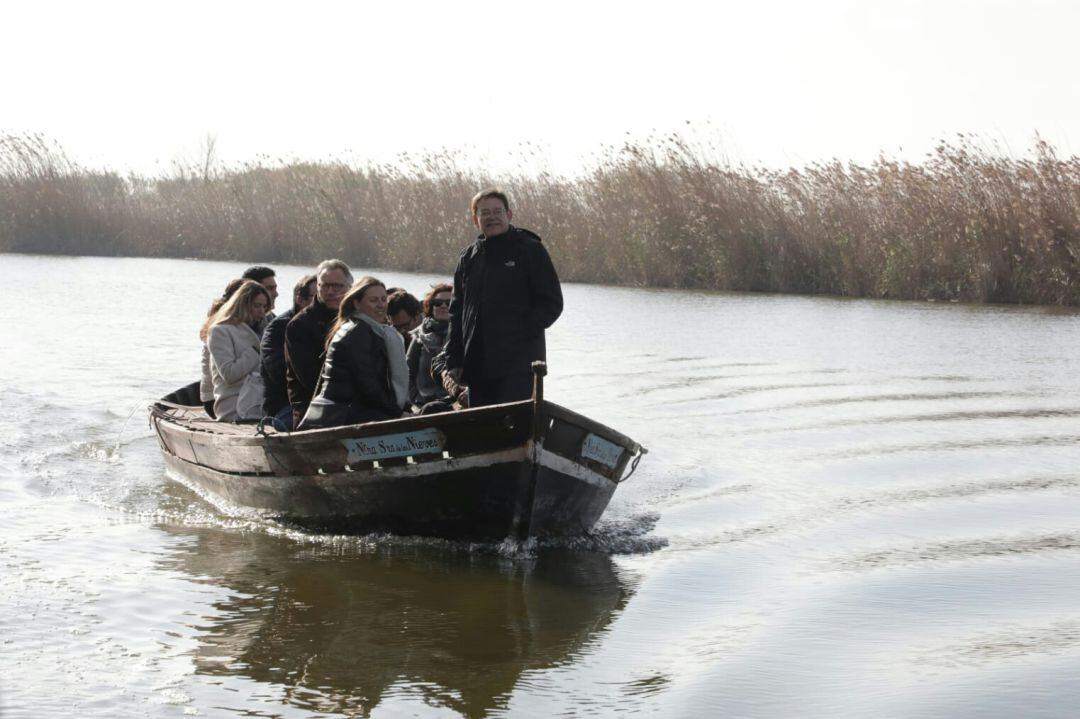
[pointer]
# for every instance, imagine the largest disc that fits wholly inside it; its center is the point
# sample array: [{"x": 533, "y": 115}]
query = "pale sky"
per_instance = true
[{"x": 137, "y": 85}]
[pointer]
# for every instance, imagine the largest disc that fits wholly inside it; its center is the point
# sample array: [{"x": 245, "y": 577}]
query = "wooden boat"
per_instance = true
[{"x": 522, "y": 469}]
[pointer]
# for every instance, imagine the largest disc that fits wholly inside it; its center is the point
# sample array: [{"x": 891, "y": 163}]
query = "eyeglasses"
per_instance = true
[
  {"x": 440, "y": 303},
  {"x": 498, "y": 212},
  {"x": 333, "y": 286}
]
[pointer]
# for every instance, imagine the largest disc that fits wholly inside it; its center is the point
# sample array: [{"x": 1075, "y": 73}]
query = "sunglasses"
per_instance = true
[{"x": 440, "y": 303}]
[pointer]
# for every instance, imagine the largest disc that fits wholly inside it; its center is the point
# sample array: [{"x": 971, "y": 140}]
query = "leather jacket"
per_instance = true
[{"x": 354, "y": 385}]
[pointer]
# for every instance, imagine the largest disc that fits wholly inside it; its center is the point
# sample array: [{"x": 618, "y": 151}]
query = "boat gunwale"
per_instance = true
[
  {"x": 523, "y": 454},
  {"x": 550, "y": 410}
]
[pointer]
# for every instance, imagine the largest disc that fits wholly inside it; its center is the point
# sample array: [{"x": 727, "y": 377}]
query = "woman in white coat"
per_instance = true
[
  {"x": 234, "y": 354},
  {"x": 206, "y": 382}
]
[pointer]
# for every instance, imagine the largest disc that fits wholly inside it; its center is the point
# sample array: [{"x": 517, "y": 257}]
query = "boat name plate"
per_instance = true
[
  {"x": 600, "y": 450},
  {"x": 384, "y": 446}
]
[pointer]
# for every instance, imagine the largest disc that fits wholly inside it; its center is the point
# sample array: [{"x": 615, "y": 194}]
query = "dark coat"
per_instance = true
[
  {"x": 427, "y": 341},
  {"x": 272, "y": 351},
  {"x": 506, "y": 293},
  {"x": 305, "y": 343},
  {"x": 354, "y": 385}
]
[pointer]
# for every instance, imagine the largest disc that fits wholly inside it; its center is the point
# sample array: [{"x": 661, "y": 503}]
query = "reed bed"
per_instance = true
[{"x": 965, "y": 224}]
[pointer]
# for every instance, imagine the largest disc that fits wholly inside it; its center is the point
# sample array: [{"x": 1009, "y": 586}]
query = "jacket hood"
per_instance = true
[{"x": 513, "y": 232}]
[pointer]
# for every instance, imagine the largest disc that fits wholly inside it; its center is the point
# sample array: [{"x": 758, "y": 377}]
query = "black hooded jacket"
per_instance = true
[
  {"x": 272, "y": 364},
  {"x": 305, "y": 343},
  {"x": 506, "y": 293}
]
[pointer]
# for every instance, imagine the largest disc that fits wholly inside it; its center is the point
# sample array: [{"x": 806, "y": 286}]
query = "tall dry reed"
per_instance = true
[{"x": 965, "y": 224}]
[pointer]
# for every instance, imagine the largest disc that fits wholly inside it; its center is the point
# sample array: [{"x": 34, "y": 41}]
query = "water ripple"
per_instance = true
[
  {"x": 828, "y": 511},
  {"x": 986, "y": 648},
  {"x": 952, "y": 491},
  {"x": 884, "y": 398},
  {"x": 960, "y": 550},
  {"x": 945, "y": 416},
  {"x": 955, "y": 445}
]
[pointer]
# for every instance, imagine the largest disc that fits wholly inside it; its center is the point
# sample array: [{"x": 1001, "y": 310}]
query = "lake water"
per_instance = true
[{"x": 849, "y": 509}]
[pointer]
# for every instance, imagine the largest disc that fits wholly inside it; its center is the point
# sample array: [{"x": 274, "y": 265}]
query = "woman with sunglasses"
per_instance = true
[
  {"x": 428, "y": 341},
  {"x": 364, "y": 377}
]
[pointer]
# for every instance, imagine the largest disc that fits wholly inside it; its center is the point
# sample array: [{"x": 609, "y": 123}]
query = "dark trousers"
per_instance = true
[{"x": 496, "y": 390}]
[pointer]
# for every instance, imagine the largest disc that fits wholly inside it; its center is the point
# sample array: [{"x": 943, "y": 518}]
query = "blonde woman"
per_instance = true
[
  {"x": 234, "y": 353},
  {"x": 206, "y": 382},
  {"x": 364, "y": 377}
]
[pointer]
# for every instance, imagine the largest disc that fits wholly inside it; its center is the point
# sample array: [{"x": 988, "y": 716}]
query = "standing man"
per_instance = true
[
  {"x": 305, "y": 335},
  {"x": 506, "y": 293},
  {"x": 272, "y": 367}
]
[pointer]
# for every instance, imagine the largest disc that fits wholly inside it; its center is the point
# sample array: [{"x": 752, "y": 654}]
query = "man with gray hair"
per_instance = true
[{"x": 305, "y": 335}]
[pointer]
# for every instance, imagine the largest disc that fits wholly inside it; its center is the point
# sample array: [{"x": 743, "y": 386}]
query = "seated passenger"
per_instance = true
[
  {"x": 305, "y": 335},
  {"x": 206, "y": 383},
  {"x": 276, "y": 400},
  {"x": 404, "y": 312},
  {"x": 428, "y": 341},
  {"x": 265, "y": 276},
  {"x": 234, "y": 353},
  {"x": 364, "y": 377}
]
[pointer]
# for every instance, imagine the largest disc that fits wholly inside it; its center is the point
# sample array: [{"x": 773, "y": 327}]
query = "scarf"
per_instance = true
[
  {"x": 395, "y": 353},
  {"x": 432, "y": 334}
]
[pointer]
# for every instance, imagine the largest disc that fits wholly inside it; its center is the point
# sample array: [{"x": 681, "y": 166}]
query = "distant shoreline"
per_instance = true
[{"x": 964, "y": 225}]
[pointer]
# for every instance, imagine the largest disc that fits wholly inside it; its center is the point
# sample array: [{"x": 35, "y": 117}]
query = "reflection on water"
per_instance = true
[{"x": 340, "y": 628}]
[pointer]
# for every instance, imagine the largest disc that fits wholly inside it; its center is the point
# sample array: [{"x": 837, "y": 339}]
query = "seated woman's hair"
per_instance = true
[
  {"x": 230, "y": 288},
  {"x": 347, "y": 308},
  {"x": 435, "y": 289},
  {"x": 237, "y": 309}
]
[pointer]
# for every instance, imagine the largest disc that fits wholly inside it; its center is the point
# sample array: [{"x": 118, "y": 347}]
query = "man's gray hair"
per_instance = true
[{"x": 334, "y": 265}]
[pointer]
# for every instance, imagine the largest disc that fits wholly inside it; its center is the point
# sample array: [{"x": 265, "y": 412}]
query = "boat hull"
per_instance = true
[{"x": 517, "y": 470}]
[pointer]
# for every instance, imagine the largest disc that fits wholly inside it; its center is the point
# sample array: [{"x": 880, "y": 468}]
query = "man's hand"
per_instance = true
[{"x": 450, "y": 382}]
